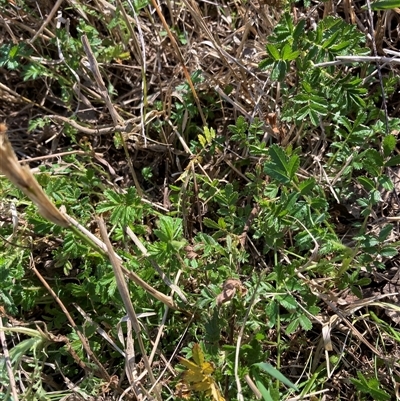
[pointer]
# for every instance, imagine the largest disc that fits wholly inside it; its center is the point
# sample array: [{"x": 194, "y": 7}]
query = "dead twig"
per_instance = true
[
  {"x": 101, "y": 370},
  {"x": 124, "y": 292},
  {"x": 11, "y": 378},
  {"x": 22, "y": 178}
]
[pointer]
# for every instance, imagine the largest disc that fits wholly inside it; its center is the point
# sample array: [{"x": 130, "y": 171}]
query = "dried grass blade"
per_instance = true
[
  {"x": 22, "y": 178},
  {"x": 84, "y": 341},
  {"x": 164, "y": 277},
  {"x": 94, "y": 68},
  {"x": 7, "y": 362},
  {"x": 124, "y": 292}
]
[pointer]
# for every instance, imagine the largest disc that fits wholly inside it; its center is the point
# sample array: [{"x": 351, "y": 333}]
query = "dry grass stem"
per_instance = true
[
  {"x": 13, "y": 388},
  {"x": 23, "y": 179},
  {"x": 85, "y": 343},
  {"x": 144, "y": 252},
  {"x": 94, "y": 68},
  {"x": 48, "y": 19},
  {"x": 124, "y": 292}
]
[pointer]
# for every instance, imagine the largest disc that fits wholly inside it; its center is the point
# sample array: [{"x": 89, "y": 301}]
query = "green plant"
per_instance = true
[
  {"x": 369, "y": 387},
  {"x": 317, "y": 87},
  {"x": 258, "y": 239}
]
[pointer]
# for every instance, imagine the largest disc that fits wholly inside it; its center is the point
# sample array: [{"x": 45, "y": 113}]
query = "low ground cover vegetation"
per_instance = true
[{"x": 199, "y": 200}]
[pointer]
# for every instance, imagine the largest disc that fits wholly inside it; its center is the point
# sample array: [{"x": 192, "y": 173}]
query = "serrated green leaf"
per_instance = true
[
  {"x": 340, "y": 46},
  {"x": 302, "y": 113},
  {"x": 361, "y": 117},
  {"x": 202, "y": 140},
  {"x": 293, "y": 165},
  {"x": 301, "y": 98},
  {"x": 292, "y": 326},
  {"x": 386, "y": 182},
  {"x": 374, "y": 158},
  {"x": 221, "y": 223},
  {"x": 289, "y": 22},
  {"x": 113, "y": 196},
  {"x": 286, "y": 51},
  {"x": 281, "y": 167},
  {"x": 305, "y": 322},
  {"x": 13, "y": 51},
  {"x": 278, "y": 157},
  {"x": 388, "y": 251},
  {"x": 279, "y": 71},
  {"x": 357, "y": 100},
  {"x": 277, "y": 175},
  {"x": 314, "y": 310},
  {"x": 288, "y": 302},
  {"x": 376, "y": 196},
  {"x": 320, "y": 109},
  {"x": 209, "y": 134},
  {"x": 327, "y": 44},
  {"x": 319, "y": 100},
  {"x": 389, "y": 144},
  {"x": 345, "y": 122},
  {"x": 318, "y": 34},
  {"x": 363, "y": 281},
  {"x": 314, "y": 117},
  {"x": 306, "y": 186},
  {"x": 210, "y": 223},
  {"x": 299, "y": 30},
  {"x": 393, "y": 161},
  {"x": 294, "y": 55},
  {"x": 361, "y": 132},
  {"x": 171, "y": 227},
  {"x": 288, "y": 54},
  {"x": 266, "y": 63},
  {"x": 273, "y": 51},
  {"x": 367, "y": 183},
  {"x": 385, "y": 232}
]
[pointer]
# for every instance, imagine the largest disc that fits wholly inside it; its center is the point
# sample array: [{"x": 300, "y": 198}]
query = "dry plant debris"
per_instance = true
[
  {"x": 22, "y": 177},
  {"x": 229, "y": 290}
]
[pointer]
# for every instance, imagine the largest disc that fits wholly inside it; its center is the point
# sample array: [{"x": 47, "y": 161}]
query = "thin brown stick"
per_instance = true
[
  {"x": 45, "y": 157},
  {"x": 94, "y": 68},
  {"x": 48, "y": 19},
  {"x": 101, "y": 370},
  {"x": 23, "y": 179},
  {"x": 181, "y": 60},
  {"x": 164, "y": 277},
  {"x": 6, "y": 354},
  {"x": 168, "y": 301},
  {"x": 24, "y": 99},
  {"x": 124, "y": 292}
]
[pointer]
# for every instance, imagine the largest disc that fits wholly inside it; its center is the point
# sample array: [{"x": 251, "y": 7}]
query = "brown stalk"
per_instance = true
[
  {"x": 7, "y": 360},
  {"x": 164, "y": 277},
  {"x": 23, "y": 179},
  {"x": 117, "y": 119},
  {"x": 181, "y": 60},
  {"x": 102, "y": 371},
  {"x": 124, "y": 292},
  {"x": 48, "y": 19},
  {"x": 94, "y": 68},
  {"x": 152, "y": 291}
]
